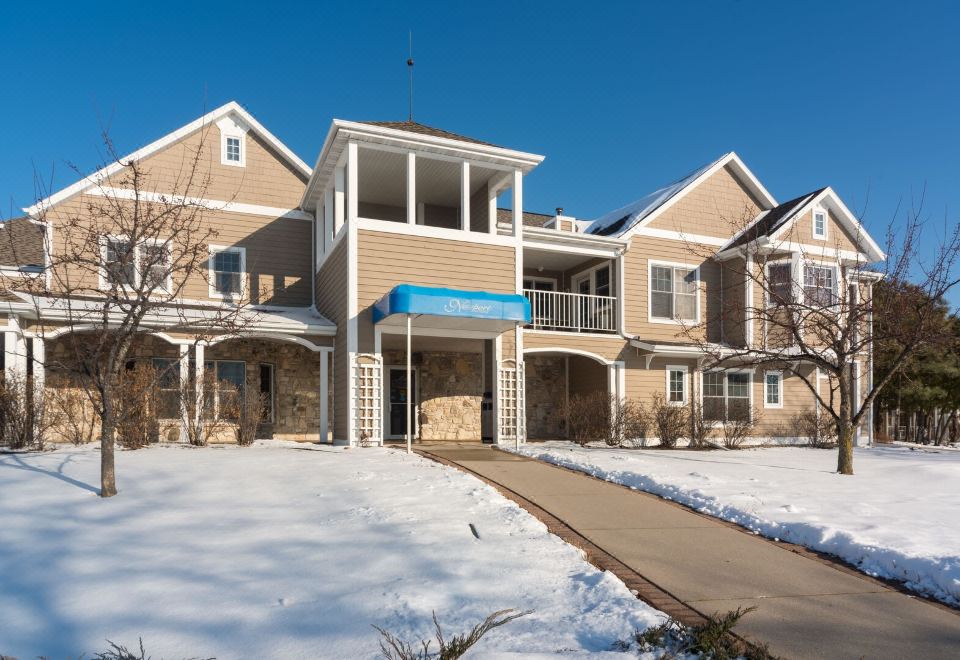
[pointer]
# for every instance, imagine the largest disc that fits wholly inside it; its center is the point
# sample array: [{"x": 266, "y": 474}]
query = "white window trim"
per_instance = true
[
  {"x": 813, "y": 222},
  {"x": 104, "y": 283},
  {"x": 749, "y": 372},
  {"x": 168, "y": 285},
  {"x": 686, "y": 384},
  {"x": 224, "y": 134},
  {"x": 779, "y": 375},
  {"x": 216, "y": 382},
  {"x": 778, "y": 262},
  {"x": 838, "y": 285},
  {"x": 211, "y": 275},
  {"x": 668, "y": 264},
  {"x": 591, "y": 274}
]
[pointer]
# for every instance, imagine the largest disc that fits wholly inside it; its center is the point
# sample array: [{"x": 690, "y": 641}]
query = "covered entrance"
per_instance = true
[{"x": 448, "y": 344}]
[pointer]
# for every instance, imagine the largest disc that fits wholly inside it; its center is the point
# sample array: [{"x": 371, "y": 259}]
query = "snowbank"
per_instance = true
[
  {"x": 896, "y": 518},
  {"x": 283, "y": 551}
]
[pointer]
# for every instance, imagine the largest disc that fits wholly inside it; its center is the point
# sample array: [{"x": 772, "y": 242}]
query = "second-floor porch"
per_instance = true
[{"x": 573, "y": 281}]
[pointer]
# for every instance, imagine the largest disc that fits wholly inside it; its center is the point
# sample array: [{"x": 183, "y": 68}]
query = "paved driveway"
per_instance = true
[{"x": 806, "y": 608}]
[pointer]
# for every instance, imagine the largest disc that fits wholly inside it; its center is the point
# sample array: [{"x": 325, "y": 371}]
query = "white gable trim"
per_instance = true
[
  {"x": 830, "y": 200},
  {"x": 167, "y": 140},
  {"x": 738, "y": 165}
]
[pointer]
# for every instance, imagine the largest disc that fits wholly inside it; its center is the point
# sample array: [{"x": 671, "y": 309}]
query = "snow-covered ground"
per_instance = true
[
  {"x": 283, "y": 551},
  {"x": 896, "y": 518}
]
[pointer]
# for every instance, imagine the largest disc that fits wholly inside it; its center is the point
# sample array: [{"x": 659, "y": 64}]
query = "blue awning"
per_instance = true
[{"x": 455, "y": 303}]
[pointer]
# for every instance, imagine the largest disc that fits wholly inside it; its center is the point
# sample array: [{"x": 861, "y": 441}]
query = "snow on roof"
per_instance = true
[{"x": 619, "y": 221}]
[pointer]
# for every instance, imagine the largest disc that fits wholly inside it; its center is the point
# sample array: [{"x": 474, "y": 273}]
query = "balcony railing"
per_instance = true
[{"x": 571, "y": 312}]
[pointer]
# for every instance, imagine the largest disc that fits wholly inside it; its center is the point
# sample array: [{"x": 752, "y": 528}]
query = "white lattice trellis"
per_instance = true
[
  {"x": 367, "y": 389},
  {"x": 512, "y": 415}
]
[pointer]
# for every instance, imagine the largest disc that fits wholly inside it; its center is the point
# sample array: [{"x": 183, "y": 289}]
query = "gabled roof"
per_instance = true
[
  {"x": 644, "y": 210},
  {"x": 422, "y": 129},
  {"x": 208, "y": 119},
  {"x": 769, "y": 227},
  {"x": 769, "y": 221}
]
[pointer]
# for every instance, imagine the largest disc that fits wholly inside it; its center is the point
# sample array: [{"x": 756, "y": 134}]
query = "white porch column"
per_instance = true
[
  {"x": 198, "y": 373},
  {"x": 492, "y": 210},
  {"x": 517, "y": 202},
  {"x": 339, "y": 191},
  {"x": 352, "y": 201},
  {"x": 465, "y": 196},
  {"x": 411, "y": 188},
  {"x": 324, "y": 394},
  {"x": 184, "y": 383},
  {"x": 39, "y": 360},
  {"x": 15, "y": 350},
  {"x": 520, "y": 405},
  {"x": 495, "y": 388},
  {"x": 748, "y": 301},
  {"x": 409, "y": 385}
]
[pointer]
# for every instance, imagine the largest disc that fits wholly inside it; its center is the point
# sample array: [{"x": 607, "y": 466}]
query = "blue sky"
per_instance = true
[{"x": 621, "y": 99}]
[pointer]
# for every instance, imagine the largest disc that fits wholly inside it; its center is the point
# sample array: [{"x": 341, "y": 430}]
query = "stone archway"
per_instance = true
[{"x": 552, "y": 376}]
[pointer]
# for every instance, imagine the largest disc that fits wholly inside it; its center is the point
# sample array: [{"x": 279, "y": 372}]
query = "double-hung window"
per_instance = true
[
  {"x": 155, "y": 266},
  {"x": 119, "y": 262},
  {"x": 676, "y": 385},
  {"x": 819, "y": 224},
  {"x": 673, "y": 293},
  {"x": 773, "y": 389},
  {"x": 229, "y": 385},
  {"x": 227, "y": 266},
  {"x": 726, "y": 396},
  {"x": 779, "y": 284},
  {"x": 231, "y": 150},
  {"x": 819, "y": 285}
]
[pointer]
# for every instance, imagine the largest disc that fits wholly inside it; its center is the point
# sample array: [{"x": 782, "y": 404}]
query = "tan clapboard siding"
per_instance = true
[
  {"x": 643, "y": 250},
  {"x": 797, "y": 398},
  {"x": 718, "y": 206},
  {"x": 609, "y": 348},
  {"x": 278, "y": 256},
  {"x": 838, "y": 237},
  {"x": 728, "y": 302},
  {"x": 266, "y": 179},
  {"x": 385, "y": 260},
  {"x": 332, "y": 301},
  {"x": 643, "y": 383}
]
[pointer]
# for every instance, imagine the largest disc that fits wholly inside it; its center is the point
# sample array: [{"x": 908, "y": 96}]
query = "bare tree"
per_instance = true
[
  {"x": 811, "y": 321},
  {"x": 121, "y": 259}
]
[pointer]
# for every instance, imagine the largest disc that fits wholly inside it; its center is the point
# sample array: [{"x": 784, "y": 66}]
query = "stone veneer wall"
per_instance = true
[
  {"x": 546, "y": 392},
  {"x": 296, "y": 386},
  {"x": 451, "y": 391}
]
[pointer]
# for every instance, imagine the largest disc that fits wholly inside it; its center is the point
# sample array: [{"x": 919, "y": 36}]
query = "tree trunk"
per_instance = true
[
  {"x": 108, "y": 479},
  {"x": 845, "y": 445}
]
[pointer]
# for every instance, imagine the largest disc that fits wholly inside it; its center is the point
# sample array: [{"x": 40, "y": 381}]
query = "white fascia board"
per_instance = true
[
  {"x": 829, "y": 197},
  {"x": 731, "y": 158},
  {"x": 342, "y": 130},
  {"x": 208, "y": 119}
]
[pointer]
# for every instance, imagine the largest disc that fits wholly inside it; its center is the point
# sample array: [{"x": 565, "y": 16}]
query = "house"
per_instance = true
[{"x": 391, "y": 256}]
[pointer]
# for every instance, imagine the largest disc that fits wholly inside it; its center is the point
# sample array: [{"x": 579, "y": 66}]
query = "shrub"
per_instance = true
[
  {"x": 818, "y": 429},
  {"x": 135, "y": 402},
  {"x": 669, "y": 421},
  {"x": 246, "y": 411},
  {"x": 711, "y": 640},
  {"x": 699, "y": 427},
  {"x": 25, "y": 415},
  {"x": 120, "y": 652},
  {"x": 205, "y": 419},
  {"x": 736, "y": 430},
  {"x": 396, "y": 649},
  {"x": 599, "y": 416}
]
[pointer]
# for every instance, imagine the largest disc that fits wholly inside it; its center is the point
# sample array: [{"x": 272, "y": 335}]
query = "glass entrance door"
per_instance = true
[{"x": 397, "y": 401}]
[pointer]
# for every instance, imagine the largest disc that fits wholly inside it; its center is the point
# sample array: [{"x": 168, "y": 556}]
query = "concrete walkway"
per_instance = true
[{"x": 806, "y": 607}]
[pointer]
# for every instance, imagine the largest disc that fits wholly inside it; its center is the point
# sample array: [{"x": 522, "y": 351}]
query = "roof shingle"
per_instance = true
[{"x": 422, "y": 129}]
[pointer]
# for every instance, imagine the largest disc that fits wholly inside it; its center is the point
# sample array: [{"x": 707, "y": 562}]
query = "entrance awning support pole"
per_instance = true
[{"x": 409, "y": 389}]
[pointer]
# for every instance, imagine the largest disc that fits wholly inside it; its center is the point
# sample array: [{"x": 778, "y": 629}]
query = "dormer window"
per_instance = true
[{"x": 819, "y": 224}]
